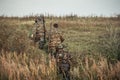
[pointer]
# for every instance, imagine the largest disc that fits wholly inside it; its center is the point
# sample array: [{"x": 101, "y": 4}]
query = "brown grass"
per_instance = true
[
  {"x": 22, "y": 67},
  {"x": 92, "y": 69}
]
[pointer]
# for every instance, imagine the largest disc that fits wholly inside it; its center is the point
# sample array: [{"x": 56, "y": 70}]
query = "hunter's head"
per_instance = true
[
  {"x": 40, "y": 20},
  {"x": 55, "y": 25}
]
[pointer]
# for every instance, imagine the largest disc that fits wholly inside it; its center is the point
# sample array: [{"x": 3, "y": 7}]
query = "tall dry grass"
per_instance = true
[
  {"x": 90, "y": 68},
  {"x": 22, "y": 67}
]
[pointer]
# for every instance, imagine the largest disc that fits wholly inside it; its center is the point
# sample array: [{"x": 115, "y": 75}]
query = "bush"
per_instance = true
[
  {"x": 109, "y": 43},
  {"x": 13, "y": 39},
  {"x": 5, "y": 34},
  {"x": 20, "y": 41}
]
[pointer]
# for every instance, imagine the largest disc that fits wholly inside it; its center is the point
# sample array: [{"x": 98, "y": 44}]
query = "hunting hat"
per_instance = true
[
  {"x": 55, "y": 25},
  {"x": 39, "y": 19}
]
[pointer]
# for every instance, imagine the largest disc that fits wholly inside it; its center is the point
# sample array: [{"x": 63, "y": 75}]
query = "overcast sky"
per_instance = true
[{"x": 59, "y": 7}]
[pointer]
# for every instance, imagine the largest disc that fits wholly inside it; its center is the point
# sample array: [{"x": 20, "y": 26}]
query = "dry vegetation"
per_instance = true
[
  {"x": 94, "y": 43},
  {"x": 23, "y": 67}
]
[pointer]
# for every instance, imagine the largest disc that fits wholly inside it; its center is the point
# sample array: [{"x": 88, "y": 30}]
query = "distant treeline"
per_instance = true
[{"x": 66, "y": 17}]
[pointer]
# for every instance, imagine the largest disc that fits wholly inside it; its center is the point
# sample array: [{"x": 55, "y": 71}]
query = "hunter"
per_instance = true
[
  {"x": 40, "y": 32},
  {"x": 54, "y": 40},
  {"x": 63, "y": 61}
]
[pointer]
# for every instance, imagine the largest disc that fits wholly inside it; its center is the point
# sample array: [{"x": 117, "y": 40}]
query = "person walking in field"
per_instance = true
[
  {"x": 63, "y": 62},
  {"x": 39, "y": 32},
  {"x": 55, "y": 38}
]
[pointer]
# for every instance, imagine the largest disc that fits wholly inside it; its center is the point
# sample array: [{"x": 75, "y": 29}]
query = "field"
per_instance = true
[{"x": 94, "y": 43}]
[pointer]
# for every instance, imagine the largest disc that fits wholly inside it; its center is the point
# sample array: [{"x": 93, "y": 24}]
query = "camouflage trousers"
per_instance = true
[{"x": 64, "y": 69}]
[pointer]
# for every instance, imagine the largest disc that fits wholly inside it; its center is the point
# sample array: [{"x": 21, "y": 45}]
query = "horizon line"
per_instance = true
[{"x": 62, "y": 15}]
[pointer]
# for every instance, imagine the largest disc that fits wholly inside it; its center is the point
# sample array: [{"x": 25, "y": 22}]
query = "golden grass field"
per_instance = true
[{"x": 94, "y": 43}]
